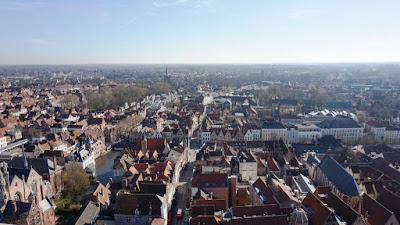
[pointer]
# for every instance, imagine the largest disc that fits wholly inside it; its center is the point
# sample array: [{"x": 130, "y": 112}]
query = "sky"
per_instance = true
[{"x": 198, "y": 31}]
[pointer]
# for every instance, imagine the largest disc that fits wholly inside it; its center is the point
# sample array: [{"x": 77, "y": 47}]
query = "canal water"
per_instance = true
[{"x": 104, "y": 166}]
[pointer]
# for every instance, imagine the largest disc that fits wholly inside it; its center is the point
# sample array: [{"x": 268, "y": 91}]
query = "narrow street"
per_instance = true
[{"x": 182, "y": 195}]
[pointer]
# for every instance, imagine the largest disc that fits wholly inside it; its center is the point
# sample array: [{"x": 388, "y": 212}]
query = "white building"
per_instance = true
[
  {"x": 308, "y": 132},
  {"x": 341, "y": 128},
  {"x": 3, "y": 141},
  {"x": 83, "y": 159},
  {"x": 205, "y": 136},
  {"x": 247, "y": 166},
  {"x": 376, "y": 128},
  {"x": 272, "y": 130},
  {"x": 392, "y": 134}
]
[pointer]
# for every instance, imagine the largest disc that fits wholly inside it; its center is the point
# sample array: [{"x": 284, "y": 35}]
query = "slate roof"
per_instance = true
[
  {"x": 338, "y": 123},
  {"x": 338, "y": 105},
  {"x": 339, "y": 176},
  {"x": 40, "y": 165},
  {"x": 18, "y": 172},
  {"x": 272, "y": 125},
  {"x": 22, "y": 207}
]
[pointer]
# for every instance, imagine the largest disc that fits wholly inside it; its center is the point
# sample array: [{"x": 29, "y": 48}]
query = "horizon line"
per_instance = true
[{"x": 200, "y": 63}]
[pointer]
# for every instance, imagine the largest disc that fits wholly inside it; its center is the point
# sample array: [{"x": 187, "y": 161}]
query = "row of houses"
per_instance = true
[{"x": 340, "y": 128}]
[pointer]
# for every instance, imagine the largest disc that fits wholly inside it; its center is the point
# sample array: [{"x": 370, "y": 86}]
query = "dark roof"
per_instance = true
[
  {"x": 255, "y": 144},
  {"x": 256, "y": 210},
  {"x": 329, "y": 140},
  {"x": 345, "y": 212},
  {"x": 321, "y": 212},
  {"x": 198, "y": 210},
  {"x": 207, "y": 219},
  {"x": 262, "y": 220},
  {"x": 383, "y": 166},
  {"x": 338, "y": 105},
  {"x": 375, "y": 212},
  {"x": 153, "y": 187},
  {"x": 127, "y": 203},
  {"x": 390, "y": 201},
  {"x": 19, "y": 172},
  {"x": 22, "y": 207},
  {"x": 272, "y": 125},
  {"x": 338, "y": 123},
  {"x": 339, "y": 176},
  {"x": 210, "y": 180},
  {"x": 303, "y": 148},
  {"x": 40, "y": 165}
]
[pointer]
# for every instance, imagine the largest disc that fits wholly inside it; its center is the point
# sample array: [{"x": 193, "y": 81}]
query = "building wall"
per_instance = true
[
  {"x": 121, "y": 219},
  {"x": 344, "y": 133},
  {"x": 248, "y": 170},
  {"x": 273, "y": 134}
]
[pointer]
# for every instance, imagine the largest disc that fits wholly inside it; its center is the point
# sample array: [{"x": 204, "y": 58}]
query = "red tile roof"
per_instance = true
[{"x": 321, "y": 212}]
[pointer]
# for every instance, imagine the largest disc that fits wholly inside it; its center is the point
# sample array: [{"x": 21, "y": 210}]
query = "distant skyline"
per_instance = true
[{"x": 198, "y": 31}]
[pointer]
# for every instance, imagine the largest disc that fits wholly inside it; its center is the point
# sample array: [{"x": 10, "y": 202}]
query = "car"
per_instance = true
[{"x": 179, "y": 213}]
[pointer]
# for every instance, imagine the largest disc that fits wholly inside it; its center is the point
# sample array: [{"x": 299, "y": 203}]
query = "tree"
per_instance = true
[
  {"x": 160, "y": 87},
  {"x": 346, "y": 154},
  {"x": 76, "y": 183},
  {"x": 31, "y": 132}
]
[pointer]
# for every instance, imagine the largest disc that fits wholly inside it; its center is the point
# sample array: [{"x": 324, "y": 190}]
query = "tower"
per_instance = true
[
  {"x": 298, "y": 217},
  {"x": 4, "y": 183}
]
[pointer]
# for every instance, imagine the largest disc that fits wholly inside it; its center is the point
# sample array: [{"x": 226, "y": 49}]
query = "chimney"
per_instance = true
[{"x": 233, "y": 190}]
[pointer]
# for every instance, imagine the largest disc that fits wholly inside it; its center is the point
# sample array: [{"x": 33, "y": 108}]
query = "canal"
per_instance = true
[{"x": 104, "y": 166}]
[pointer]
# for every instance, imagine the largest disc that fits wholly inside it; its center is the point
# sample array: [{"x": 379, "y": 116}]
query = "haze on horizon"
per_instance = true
[{"x": 198, "y": 31}]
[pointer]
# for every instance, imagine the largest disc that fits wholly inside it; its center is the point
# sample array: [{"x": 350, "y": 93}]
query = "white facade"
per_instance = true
[
  {"x": 256, "y": 134},
  {"x": 392, "y": 135},
  {"x": 344, "y": 133},
  {"x": 248, "y": 170},
  {"x": 292, "y": 135},
  {"x": 205, "y": 136},
  {"x": 83, "y": 159},
  {"x": 308, "y": 132},
  {"x": 273, "y": 134},
  {"x": 248, "y": 136},
  {"x": 3, "y": 142}
]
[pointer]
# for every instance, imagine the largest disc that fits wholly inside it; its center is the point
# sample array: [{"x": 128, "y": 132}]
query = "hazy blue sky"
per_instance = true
[{"x": 196, "y": 31}]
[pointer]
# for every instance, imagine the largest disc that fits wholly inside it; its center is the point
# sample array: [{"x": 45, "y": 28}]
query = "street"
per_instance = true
[{"x": 182, "y": 195}]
